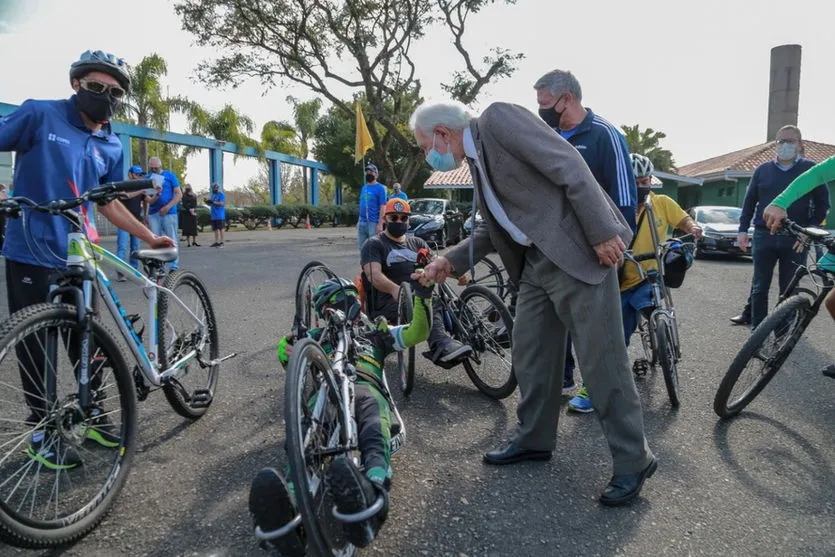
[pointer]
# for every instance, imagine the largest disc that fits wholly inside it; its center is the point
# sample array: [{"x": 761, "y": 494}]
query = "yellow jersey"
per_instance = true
[{"x": 668, "y": 214}]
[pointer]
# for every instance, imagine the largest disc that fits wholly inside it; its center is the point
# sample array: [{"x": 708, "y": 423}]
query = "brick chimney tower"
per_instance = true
[{"x": 783, "y": 88}]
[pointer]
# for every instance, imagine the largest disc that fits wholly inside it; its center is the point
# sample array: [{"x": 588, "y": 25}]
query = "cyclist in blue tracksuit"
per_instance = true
[
  {"x": 604, "y": 149},
  {"x": 63, "y": 148}
]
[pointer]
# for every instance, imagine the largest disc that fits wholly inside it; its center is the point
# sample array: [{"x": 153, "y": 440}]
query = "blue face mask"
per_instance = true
[{"x": 441, "y": 163}]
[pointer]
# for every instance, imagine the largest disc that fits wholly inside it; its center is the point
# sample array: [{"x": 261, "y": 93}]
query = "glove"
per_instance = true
[{"x": 281, "y": 349}]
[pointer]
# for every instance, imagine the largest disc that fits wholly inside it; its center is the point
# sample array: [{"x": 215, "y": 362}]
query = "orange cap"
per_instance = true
[{"x": 396, "y": 205}]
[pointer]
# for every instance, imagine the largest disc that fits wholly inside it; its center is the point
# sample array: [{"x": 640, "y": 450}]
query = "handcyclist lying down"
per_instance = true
[
  {"x": 776, "y": 212},
  {"x": 272, "y": 499}
]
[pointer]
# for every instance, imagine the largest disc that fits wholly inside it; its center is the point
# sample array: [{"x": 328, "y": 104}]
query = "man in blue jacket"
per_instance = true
[
  {"x": 162, "y": 210},
  {"x": 63, "y": 148},
  {"x": 604, "y": 149},
  {"x": 768, "y": 181}
]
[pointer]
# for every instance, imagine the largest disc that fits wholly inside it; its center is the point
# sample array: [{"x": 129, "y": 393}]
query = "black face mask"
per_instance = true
[
  {"x": 550, "y": 115},
  {"x": 642, "y": 194},
  {"x": 369, "y": 178},
  {"x": 397, "y": 229},
  {"x": 99, "y": 108}
]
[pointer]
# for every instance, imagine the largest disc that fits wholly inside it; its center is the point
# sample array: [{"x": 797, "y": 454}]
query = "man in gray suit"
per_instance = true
[{"x": 561, "y": 238}]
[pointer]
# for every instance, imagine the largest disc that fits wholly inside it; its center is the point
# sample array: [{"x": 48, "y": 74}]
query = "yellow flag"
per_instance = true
[{"x": 363, "y": 142}]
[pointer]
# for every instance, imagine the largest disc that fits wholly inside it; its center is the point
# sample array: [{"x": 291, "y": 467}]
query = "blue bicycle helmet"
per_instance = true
[
  {"x": 104, "y": 62},
  {"x": 335, "y": 292}
]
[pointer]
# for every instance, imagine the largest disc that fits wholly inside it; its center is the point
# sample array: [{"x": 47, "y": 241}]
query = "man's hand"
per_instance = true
[
  {"x": 696, "y": 230},
  {"x": 610, "y": 252},
  {"x": 773, "y": 217},
  {"x": 437, "y": 271},
  {"x": 465, "y": 279},
  {"x": 800, "y": 245},
  {"x": 742, "y": 240},
  {"x": 161, "y": 242},
  {"x": 164, "y": 210},
  {"x": 379, "y": 227}
]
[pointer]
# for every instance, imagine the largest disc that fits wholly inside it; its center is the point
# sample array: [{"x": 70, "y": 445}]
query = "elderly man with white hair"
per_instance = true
[
  {"x": 561, "y": 239},
  {"x": 162, "y": 209}
]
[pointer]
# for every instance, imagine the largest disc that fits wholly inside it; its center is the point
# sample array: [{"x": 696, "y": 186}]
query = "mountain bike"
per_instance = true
[
  {"x": 320, "y": 420},
  {"x": 770, "y": 344},
  {"x": 63, "y": 465}
]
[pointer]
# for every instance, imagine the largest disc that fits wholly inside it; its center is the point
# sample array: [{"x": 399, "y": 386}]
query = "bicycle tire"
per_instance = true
[
  {"x": 493, "y": 279},
  {"x": 506, "y": 387},
  {"x": 797, "y": 303},
  {"x": 405, "y": 359},
  {"x": 173, "y": 393},
  {"x": 667, "y": 360},
  {"x": 40, "y": 534},
  {"x": 303, "y": 309},
  {"x": 307, "y": 352}
]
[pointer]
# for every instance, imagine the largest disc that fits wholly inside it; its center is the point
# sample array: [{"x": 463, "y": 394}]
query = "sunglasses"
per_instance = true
[
  {"x": 99, "y": 88},
  {"x": 397, "y": 218}
]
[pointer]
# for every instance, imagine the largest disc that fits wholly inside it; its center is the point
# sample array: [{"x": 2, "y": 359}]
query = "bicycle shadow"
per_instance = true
[{"x": 788, "y": 474}]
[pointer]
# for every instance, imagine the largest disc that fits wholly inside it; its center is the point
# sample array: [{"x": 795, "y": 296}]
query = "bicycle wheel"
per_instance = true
[
  {"x": 315, "y": 431},
  {"x": 767, "y": 348},
  {"x": 312, "y": 275},
  {"x": 667, "y": 359},
  {"x": 61, "y": 466},
  {"x": 489, "y": 275},
  {"x": 191, "y": 393},
  {"x": 488, "y": 328},
  {"x": 405, "y": 359}
]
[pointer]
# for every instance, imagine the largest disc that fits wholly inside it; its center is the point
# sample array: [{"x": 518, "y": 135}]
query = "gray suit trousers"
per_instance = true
[{"x": 551, "y": 304}]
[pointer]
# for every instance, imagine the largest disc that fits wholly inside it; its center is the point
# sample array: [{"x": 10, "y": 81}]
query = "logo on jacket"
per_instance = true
[{"x": 60, "y": 140}]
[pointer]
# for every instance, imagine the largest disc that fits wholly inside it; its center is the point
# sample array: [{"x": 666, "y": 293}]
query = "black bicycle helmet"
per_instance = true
[
  {"x": 677, "y": 261},
  {"x": 335, "y": 291},
  {"x": 104, "y": 62}
]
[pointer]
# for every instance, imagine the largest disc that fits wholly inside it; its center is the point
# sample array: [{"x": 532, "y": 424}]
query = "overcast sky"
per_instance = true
[{"x": 699, "y": 72}]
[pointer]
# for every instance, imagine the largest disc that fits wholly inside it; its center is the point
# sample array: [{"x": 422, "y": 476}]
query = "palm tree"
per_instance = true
[
  {"x": 227, "y": 125},
  {"x": 281, "y": 137},
  {"x": 648, "y": 143},
  {"x": 306, "y": 116},
  {"x": 146, "y": 103}
]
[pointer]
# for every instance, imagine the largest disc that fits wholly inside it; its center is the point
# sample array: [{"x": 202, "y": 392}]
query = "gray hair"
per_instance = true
[
  {"x": 153, "y": 160},
  {"x": 453, "y": 115},
  {"x": 558, "y": 83},
  {"x": 790, "y": 128}
]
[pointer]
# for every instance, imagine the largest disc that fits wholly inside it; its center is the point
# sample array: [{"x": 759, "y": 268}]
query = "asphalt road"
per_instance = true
[{"x": 762, "y": 484}]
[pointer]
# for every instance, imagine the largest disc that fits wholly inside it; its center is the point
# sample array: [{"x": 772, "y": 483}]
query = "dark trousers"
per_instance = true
[
  {"x": 771, "y": 250},
  {"x": 27, "y": 285}
]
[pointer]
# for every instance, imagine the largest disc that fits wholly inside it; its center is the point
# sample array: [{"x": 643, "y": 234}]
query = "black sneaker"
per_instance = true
[
  {"x": 101, "y": 430},
  {"x": 214, "y": 245},
  {"x": 220, "y": 245},
  {"x": 352, "y": 492},
  {"x": 454, "y": 351},
  {"x": 52, "y": 452},
  {"x": 272, "y": 507},
  {"x": 829, "y": 371}
]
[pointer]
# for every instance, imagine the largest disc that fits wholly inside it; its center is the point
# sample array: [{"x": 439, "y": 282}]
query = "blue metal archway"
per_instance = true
[{"x": 216, "y": 149}]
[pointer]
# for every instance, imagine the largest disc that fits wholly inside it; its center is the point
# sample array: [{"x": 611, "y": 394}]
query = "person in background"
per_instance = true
[
  {"x": 398, "y": 193},
  {"x": 769, "y": 179},
  {"x": 162, "y": 212},
  {"x": 372, "y": 200},
  {"x": 189, "y": 205},
  {"x": 218, "y": 214},
  {"x": 125, "y": 240},
  {"x": 602, "y": 146},
  {"x": 3, "y": 195}
]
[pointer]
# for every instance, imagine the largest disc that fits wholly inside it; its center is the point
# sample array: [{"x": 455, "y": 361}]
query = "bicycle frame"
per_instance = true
[{"x": 85, "y": 260}]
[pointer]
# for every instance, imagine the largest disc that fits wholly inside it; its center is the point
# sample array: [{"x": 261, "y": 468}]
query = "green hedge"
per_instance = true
[{"x": 286, "y": 215}]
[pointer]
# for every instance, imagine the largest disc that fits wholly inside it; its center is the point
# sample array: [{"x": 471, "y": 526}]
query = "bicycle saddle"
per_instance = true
[{"x": 162, "y": 255}]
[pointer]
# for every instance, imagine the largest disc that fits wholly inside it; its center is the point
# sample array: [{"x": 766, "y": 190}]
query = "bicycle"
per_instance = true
[
  {"x": 86, "y": 408},
  {"x": 487, "y": 329},
  {"x": 658, "y": 327},
  {"x": 776, "y": 336},
  {"x": 320, "y": 421}
]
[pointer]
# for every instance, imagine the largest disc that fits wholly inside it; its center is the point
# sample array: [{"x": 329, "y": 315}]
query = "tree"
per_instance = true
[
  {"x": 648, "y": 143},
  {"x": 303, "y": 42},
  {"x": 146, "y": 105},
  {"x": 226, "y": 125},
  {"x": 306, "y": 116}
]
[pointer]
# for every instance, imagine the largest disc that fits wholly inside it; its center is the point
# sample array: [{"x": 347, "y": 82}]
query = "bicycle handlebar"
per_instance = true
[
  {"x": 99, "y": 194},
  {"x": 811, "y": 233}
]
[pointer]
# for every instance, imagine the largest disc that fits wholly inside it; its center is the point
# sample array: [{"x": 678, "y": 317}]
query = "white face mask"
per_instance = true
[{"x": 786, "y": 151}]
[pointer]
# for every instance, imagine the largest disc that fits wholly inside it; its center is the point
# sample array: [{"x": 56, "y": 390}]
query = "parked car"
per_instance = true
[
  {"x": 468, "y": 224},
  {"x": 721, "y": 228},
  {"x": 436, "y": 221}
]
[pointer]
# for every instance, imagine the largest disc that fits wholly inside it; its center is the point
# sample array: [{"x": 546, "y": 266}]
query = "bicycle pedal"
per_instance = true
[{"x": 200, "y": 398}]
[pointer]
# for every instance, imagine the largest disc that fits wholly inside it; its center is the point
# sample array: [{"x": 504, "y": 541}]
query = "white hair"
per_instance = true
[
  {"x": 558, "y": 83},
  {"x": 453, "y": 115},
  {"x": 153, "y": 160}
]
